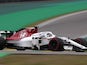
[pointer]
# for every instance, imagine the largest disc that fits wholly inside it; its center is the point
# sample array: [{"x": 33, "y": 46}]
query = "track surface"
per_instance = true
[
  {"x": 72, "y": 25},
  {"x": 34, "y": 52}
]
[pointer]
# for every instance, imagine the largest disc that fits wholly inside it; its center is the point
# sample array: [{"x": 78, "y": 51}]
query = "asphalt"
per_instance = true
[
  {"x": 34, "y": 52},
  {"x": 72, "y": 25}
]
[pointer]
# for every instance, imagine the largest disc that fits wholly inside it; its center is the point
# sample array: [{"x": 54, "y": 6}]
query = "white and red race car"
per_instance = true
[
  {"x": 30, "y": 38},
  {"x": 6, "y": 36}
]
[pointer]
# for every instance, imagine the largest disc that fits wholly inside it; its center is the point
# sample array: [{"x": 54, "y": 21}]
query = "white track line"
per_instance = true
[{"x": 58, "y": 18}]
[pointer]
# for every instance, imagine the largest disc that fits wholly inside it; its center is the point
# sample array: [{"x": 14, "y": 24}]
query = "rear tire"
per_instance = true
[
  {"x": 2, "y": 43},
  {"x": 56, "y": 44}
]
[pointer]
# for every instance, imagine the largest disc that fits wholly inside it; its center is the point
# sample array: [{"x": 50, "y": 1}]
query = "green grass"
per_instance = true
[
  {"x": 44, "y": 60},
  {"x": 3, "y": 54},
  {"x": 17, "y": 20}
]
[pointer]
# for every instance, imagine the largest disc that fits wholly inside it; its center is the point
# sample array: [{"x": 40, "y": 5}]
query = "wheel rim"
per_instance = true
[{"x": 53, "y": 45}]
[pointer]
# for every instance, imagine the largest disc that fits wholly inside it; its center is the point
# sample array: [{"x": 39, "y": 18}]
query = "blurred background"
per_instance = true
[{"x": 32, "y": 0}]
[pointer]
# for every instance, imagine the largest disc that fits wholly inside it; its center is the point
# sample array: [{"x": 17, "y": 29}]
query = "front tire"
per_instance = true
[
  {"x": 56, "y": 44},
  {"x": 80, "y": 41}
]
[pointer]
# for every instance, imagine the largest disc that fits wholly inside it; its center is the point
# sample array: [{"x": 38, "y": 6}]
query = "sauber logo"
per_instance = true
[{"x": 23, "y": 34}]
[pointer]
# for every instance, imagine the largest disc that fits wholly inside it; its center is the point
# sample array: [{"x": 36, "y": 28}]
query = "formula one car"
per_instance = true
[
  {"x": 3, "y": 36},
  {"x": 15, "y": 36},
  {"x": 30, "y": 38},
  {"x": 34, "y": 41}
]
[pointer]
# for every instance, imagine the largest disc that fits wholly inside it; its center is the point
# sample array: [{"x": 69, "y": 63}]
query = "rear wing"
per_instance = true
[{"x": 6, "y": 33}]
